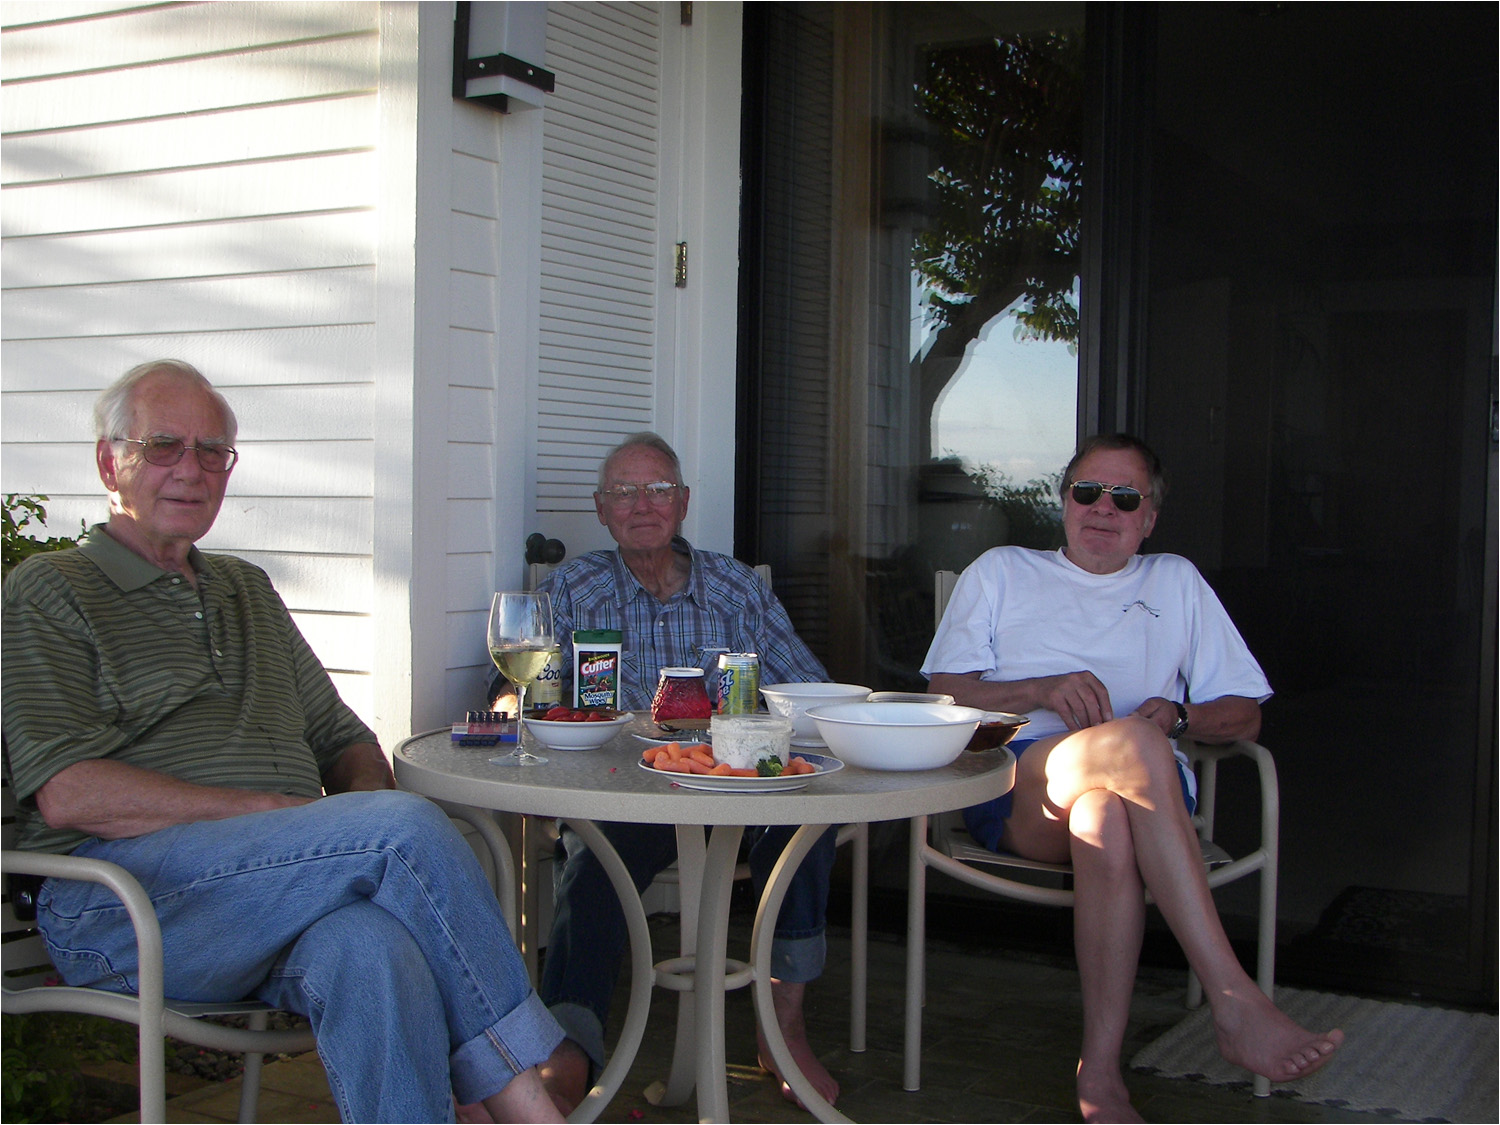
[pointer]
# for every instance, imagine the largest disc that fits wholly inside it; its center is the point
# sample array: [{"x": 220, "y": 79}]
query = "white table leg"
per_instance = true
[
  {"x": 642, "y": 975},
  {"x": 692, "y": 849},
  {"x": 760, "y": 955},
  {"x": 708, "y": 976}
]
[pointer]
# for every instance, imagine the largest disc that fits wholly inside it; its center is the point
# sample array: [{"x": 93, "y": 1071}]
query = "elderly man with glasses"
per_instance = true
[
  {"x": 676, "y": 606},
  {"x": 1114, "y": 655},
  {"x": 163, "y": 712}
]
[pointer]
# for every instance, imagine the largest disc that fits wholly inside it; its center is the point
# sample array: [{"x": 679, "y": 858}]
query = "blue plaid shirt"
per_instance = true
[{"x": 724, "y": 607}]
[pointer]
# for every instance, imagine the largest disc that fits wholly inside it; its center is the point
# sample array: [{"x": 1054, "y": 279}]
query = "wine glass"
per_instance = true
[{"x": 520, "y": 638}]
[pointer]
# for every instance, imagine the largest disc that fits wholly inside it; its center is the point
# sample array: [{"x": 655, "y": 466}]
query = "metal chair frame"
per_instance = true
[{"x": 946, "y": 847}]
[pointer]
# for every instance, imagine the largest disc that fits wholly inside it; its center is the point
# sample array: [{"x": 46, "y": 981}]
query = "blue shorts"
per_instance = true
[{"x": 986, "y": 822}]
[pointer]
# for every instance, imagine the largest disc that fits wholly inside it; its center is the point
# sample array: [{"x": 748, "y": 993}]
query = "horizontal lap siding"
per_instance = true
[
  {"x": 474, "y": 414},
  {"x": 599, "y": 361},
  {"x": 199, "y": 181}
]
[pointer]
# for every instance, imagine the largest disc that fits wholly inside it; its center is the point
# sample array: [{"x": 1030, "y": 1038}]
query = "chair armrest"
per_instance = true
[
  {"x": 137, "y": 905},
  {"x": 1206, "y": 758}
]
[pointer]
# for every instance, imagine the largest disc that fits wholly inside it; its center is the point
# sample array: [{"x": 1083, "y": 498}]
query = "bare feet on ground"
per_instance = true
[
  {"x": 786, "y": 998},
  {"x": 566, "y": 1076},
  {"x": 1255, "y": 1034},
  {"x": 1102, "y": 1095}
]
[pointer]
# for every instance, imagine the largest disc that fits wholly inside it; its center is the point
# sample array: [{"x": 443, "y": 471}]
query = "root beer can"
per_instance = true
[{"x": 739, "y": 683}]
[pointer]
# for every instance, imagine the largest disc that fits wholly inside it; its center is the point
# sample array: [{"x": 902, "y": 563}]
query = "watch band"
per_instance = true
[{"x": 1179, "y": 728}]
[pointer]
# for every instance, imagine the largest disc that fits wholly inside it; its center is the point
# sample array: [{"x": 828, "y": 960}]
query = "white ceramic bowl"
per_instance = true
[
  {"x": 791, "y": 701},
  {"x": 577, "y": 736},
  {"x": 908, "y": 697},
  {"x": 896, "y": 736}
]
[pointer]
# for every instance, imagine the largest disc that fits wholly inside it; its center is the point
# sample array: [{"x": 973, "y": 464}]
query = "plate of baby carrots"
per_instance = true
[{"x": 692, "y": 765}]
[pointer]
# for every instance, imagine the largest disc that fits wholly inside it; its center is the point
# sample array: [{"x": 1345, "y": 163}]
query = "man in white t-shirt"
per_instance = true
[{"x": 1074, "y": 638}]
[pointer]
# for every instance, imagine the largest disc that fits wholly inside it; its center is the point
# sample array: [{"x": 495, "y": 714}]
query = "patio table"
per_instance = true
[{"x": 607, "y": 785}]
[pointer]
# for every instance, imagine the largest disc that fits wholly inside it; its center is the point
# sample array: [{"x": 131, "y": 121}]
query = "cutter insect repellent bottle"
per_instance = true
[{"x": 597, "y": 668}]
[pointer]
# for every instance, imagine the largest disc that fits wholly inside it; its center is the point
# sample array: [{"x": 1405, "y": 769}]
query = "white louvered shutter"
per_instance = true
[{"x": 601, "y": 352}]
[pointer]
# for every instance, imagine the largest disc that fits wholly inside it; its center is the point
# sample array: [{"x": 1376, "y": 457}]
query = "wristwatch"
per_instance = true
[{"x": 1179, "y": 728}]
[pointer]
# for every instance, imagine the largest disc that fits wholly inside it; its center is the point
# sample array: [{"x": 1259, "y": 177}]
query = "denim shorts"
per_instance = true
[{"x": 986, "y": 822}]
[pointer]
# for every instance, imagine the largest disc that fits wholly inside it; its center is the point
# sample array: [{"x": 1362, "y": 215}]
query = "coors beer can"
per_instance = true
[
  {"x": 739, "y": 683},
  {"x": 547, "y": 690}
]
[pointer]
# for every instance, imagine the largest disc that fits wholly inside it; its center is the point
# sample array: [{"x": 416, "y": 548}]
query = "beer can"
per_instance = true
[
  {"x": 546, "y": 691},
  {"x": 739, "y": 683}
]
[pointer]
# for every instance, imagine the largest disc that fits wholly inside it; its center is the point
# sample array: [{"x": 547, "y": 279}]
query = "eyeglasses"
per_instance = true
[
  {"x": 659, "y": 494},
  {"x": 169, "y": 450},
  {"x": 1125, "y": 498}
]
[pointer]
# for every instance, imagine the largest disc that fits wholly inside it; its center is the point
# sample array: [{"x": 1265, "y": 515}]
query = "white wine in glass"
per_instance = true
[{"x": 520, "y": 640}]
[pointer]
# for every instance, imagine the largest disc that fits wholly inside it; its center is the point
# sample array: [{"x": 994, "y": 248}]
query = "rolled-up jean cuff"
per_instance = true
[
  {"x": 798, "y": 960},
  {"x": 582, "y": 1026},
  {"x": 521, "y": 1039}
]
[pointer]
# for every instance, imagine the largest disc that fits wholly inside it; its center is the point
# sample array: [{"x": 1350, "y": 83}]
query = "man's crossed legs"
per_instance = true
[{"x": 365, "y": 912}]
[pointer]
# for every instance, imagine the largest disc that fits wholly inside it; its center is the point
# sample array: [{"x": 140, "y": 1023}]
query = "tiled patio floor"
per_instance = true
[{"x": 1021, "y": 1071}]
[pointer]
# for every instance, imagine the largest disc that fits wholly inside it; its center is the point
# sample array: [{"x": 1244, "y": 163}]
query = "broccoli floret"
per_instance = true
[{"x": 768, "y": 767}]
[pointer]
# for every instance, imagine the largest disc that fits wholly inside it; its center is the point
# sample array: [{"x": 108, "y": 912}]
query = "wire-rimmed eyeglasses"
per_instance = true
[
  {"x": 166, "y": 451},
  {"x": 1124, "y": 497},
  {"x": 658, "y": 494}
]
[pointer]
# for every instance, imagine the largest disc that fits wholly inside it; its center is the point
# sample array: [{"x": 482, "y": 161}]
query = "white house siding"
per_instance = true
[
  {"x": 475, "y": 407},
  {"x": 200, "y": 181}
]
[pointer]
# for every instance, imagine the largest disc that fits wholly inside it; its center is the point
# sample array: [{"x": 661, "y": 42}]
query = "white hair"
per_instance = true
[
  {"x": 114, "y": 411},
  {"x": 643, "y": 440}
]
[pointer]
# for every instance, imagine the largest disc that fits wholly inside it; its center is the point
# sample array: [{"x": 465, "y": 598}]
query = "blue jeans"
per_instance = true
[
  {"x": 365, "y": 912},
  {"x": 589, "y": 937}
]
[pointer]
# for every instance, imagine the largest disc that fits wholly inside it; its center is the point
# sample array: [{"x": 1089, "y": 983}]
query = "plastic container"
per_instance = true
[
  {"x": 744, "y": 740},
  {"x": 597, "y": 667}
]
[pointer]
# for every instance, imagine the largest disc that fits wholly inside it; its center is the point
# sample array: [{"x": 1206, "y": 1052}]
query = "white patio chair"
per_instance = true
[
  {"x": 29, "y": 975},
  {"x": 947, "y": 847}
]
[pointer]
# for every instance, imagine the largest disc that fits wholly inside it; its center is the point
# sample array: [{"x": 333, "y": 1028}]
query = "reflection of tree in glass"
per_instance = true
[
  {"x": 1032, "y": 510},
  {"x": 1007, "y": 147}
]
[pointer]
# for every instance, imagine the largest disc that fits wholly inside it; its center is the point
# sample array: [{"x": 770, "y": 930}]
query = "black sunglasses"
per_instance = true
[{"x": 1125, "y": 498}]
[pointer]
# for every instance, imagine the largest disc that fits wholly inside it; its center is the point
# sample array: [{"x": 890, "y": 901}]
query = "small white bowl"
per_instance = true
[
  {"x": 896, "y": 736},
  {"x": 908, "y": 697},
  {"x": 791, "y": 701},
  {"x": 577, "y": 736}
]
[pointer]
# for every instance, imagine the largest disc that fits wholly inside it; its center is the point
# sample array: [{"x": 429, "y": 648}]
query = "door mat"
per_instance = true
[{"x": 1398, "y": 1060}]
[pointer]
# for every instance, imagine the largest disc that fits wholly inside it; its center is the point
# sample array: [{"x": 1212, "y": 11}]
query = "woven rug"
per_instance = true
[{"x": 1399, "y": 1060}]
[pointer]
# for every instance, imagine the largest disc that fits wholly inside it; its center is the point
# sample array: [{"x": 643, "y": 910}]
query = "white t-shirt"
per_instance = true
[{"x": 1152, "y": 628}]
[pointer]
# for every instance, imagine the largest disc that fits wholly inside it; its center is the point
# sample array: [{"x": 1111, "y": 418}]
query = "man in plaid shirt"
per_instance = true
[{"x": 677, "y": 607}]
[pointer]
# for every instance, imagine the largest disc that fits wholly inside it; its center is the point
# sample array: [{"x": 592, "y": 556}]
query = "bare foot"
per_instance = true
[
  {"x": 1102, "y": 1095},
  {"x": 565, "y": 1075},
  {"x": 786, "y": 998},
  {"x": 1255, "y": 1034}
]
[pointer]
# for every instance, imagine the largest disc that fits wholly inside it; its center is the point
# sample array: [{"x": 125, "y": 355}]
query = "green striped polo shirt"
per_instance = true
[{"x": 106, "y": 656}]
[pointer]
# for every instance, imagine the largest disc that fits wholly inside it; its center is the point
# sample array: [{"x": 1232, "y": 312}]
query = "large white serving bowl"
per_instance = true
[
  {"x": 577, "y": 736},
  {"x": 791, "y": 701},
  {"x": 896, "y": 736}
]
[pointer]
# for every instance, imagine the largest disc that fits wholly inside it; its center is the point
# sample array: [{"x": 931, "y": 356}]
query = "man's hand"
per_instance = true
[
  {"x": 1162, "y": 712},
  {"x": 361, "y": 765},
  {"x": 1078, "y": 698}
]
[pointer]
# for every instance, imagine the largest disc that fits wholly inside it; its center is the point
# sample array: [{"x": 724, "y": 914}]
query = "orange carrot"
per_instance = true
[
  {"x": 700, "y": 754},
  {"x": 674, "y": 750},
  {"x": 652, "y": 753}
]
